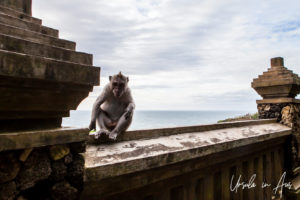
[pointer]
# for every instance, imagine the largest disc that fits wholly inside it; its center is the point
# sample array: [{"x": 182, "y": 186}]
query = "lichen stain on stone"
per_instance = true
[
  {"x": 145, "y": 150},
  {"x": 131, "y": 145},
  {"x": 194, "y": 144},
  {"x": 215, "y": 140},
  {"x": 100, "y": 148},
  {"x": 188, "y": 144}
]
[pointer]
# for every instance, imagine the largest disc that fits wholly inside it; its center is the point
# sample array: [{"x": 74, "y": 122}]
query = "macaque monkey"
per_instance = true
[{"x": 113, "y": 109}]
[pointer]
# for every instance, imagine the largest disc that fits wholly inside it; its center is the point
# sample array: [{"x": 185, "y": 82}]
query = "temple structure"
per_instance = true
[{"x": 42, "y": 78}]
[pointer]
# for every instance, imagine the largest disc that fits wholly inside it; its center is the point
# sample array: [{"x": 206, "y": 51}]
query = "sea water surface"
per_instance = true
[{"x": 158, "y": 119}]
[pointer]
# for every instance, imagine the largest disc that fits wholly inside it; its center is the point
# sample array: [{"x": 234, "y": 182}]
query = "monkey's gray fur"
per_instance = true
[{"x": 114, "y": 107}]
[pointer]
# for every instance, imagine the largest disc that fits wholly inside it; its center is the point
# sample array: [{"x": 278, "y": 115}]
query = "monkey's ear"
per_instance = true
[
  {"x": 110, "y": 77},
  {"x": 127, "y": 79}
]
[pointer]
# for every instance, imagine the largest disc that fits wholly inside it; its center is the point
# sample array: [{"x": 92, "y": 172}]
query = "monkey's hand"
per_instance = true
[
  {"x": 113, "y": 135},
  {"x": 92, "y": 125}
]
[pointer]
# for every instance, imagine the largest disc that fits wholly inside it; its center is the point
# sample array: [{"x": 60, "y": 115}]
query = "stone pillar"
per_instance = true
[{"x": 278, "y": 87}]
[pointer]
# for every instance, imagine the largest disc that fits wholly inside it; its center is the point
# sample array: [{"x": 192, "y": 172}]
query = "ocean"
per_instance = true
[{"x": 158, "y": 119}]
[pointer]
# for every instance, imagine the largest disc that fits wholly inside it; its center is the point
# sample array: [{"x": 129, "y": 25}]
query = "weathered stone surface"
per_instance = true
[
  {"x": 63, "y": 191},
  {"x": 68, "y": 158},
  {"x": 36, "y": 168},
  {"x": 59, "y": 151},
  {"x": 59, "y": 171},
  {"x": 76, "y": 170},
  {"x": 286, "y": 117},
  {"x": 9, "y": 166},
  {"x": 24, "y": 155},
  {"x": 8, "y": 191}
]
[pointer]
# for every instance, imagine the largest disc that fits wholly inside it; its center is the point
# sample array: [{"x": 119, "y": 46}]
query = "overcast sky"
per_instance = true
[{"x": 181, "y": 54}]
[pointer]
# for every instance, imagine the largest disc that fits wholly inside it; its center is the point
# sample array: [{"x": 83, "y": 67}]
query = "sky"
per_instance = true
[{"x": 180, "y": 54}]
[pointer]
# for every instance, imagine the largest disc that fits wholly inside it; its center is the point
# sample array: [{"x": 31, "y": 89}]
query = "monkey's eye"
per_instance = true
[
  {"x": 121, "y": 85},
  {"x": 115, "y": 84}
]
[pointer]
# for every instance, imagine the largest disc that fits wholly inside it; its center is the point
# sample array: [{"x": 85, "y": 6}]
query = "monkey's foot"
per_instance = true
[
  {"x": 113, "y": 136},
  {"x": 101, "y": 133}
]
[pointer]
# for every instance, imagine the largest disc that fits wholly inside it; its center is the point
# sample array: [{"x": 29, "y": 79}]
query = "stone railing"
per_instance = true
[{"x": 189, "y": 162}]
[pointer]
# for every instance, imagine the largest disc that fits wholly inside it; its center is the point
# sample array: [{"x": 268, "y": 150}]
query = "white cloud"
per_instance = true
[{"x": 181, "y": 54}]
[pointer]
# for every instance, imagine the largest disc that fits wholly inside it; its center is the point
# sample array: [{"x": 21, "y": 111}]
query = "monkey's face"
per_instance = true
[
  {"x": 118, "y": 84},
  {"x": 118, "y": 87}
]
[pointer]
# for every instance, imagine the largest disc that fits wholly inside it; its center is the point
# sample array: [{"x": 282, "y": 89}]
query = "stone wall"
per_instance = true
[
  {"x": 285, "y": 113},
  {"x": 52, "y": 172}
]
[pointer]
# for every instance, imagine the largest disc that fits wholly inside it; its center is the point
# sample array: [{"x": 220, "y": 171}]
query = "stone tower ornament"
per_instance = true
[{"x": 277, "y": 82}]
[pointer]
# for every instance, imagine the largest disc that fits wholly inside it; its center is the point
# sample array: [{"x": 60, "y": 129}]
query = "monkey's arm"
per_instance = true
[
  {"x": 130, "y": 107},
  {"x": 129, "y": 110},
  {"x": 96, "y": 109}
]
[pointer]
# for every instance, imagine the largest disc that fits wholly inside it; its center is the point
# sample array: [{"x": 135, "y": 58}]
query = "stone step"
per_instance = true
[
  {"x": 19, "y": 15},
  {"x": 36, "y": 37},
  {"x": 10, "y": 43},
  {"x": 32, "y": 67},
  {"x": 13, "y": 21}
]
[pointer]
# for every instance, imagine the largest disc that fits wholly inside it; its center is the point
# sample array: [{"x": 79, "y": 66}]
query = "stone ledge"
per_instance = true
[
  {"x": 278, "y": 100},
  {"x": 36, "y": 37},
  {"x": 154, "y": 133},
  {"x": 116, "y": 159},
  {"x": 13, "y": 21},
  {"x": 29, "y": 139}
]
